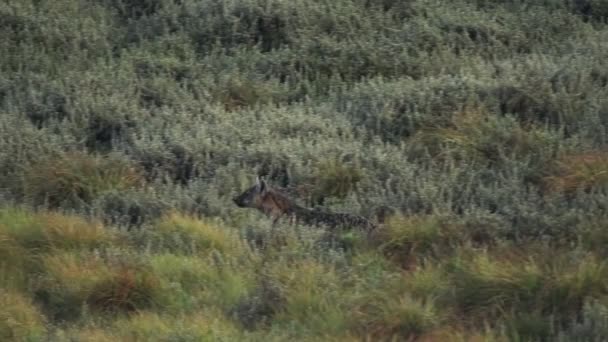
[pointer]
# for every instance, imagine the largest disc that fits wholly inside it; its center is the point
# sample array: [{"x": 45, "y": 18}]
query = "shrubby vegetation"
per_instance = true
[{"x": 475, "y": 130}]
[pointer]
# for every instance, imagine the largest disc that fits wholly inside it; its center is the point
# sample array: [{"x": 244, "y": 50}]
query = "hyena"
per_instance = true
[{"x": 276, "y": 205}]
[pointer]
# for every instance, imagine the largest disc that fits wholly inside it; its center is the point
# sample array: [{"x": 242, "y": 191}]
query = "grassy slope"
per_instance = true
[{"x": 127, "y": 125}]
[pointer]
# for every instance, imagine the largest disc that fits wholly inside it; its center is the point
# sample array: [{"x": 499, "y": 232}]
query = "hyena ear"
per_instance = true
[
  {"x": 260, "y": 184},
  {"x": 262, "y": 187},
  {"x": 257, "y": 182}
]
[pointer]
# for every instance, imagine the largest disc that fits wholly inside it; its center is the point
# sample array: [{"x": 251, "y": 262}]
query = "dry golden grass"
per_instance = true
[
  {"x": 70, "y": 231},
  {"x": 41, "y": 231},
  {"x": 20, "y": 320},
  {"x": 75, "y": 279},
  {"x": 571, "y": 172},
  {"x": 406, "y": 240},
  {"x": 78, "y": 178},
  {"x": 206, "y": 236}
]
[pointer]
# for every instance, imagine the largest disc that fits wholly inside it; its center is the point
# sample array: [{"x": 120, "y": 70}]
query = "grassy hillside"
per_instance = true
[{"x": 479, "y": 126}]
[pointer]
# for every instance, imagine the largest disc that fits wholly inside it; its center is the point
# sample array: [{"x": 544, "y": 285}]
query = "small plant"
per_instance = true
[{"x": 78, "y": 178}]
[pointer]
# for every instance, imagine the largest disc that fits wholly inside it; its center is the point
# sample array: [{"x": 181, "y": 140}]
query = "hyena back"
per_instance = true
[{"x": 276, "y": 205}]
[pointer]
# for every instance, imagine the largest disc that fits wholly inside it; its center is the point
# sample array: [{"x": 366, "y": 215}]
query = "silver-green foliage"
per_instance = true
[{"x": 203, "y": 94}]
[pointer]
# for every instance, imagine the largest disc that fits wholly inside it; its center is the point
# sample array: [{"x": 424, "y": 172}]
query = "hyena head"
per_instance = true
[{"x": 252, "y": 197}]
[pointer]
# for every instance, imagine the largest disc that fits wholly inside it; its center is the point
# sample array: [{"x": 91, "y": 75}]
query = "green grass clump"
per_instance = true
[
  {"x": 73, "y": 232},
  {"x": 77, "y": 178},
  {"x": 151, "y": 326},
  {"x": 538, "y": 286},
  {"x": 15, "y": 263},
  {"x": 192, "y": 282},
  {"x": 488, "y": 285},
  {"x": 183, "y": 234},
  {"x": 20, "y": 319},
  {"x": 408, "y": 240},
  {"x": 75, "y": 281},
  {"x": 26, "y": 238},
  {"x": 50, "y": 230},
  {"x": 23, "y": 227},
  {"x": 334, "y": 179},
  {"x": 308, "y": 291}
]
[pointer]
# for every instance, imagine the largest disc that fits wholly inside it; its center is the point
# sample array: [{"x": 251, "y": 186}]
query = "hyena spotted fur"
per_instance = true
[{"x": 276, "y": 205}]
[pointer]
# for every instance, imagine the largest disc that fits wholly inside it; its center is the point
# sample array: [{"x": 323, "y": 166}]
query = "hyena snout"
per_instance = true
[
  {"x": 244, "y": 200},
  {"x": 238, "y": 201},
  {"x": 251, "y": 195}
]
